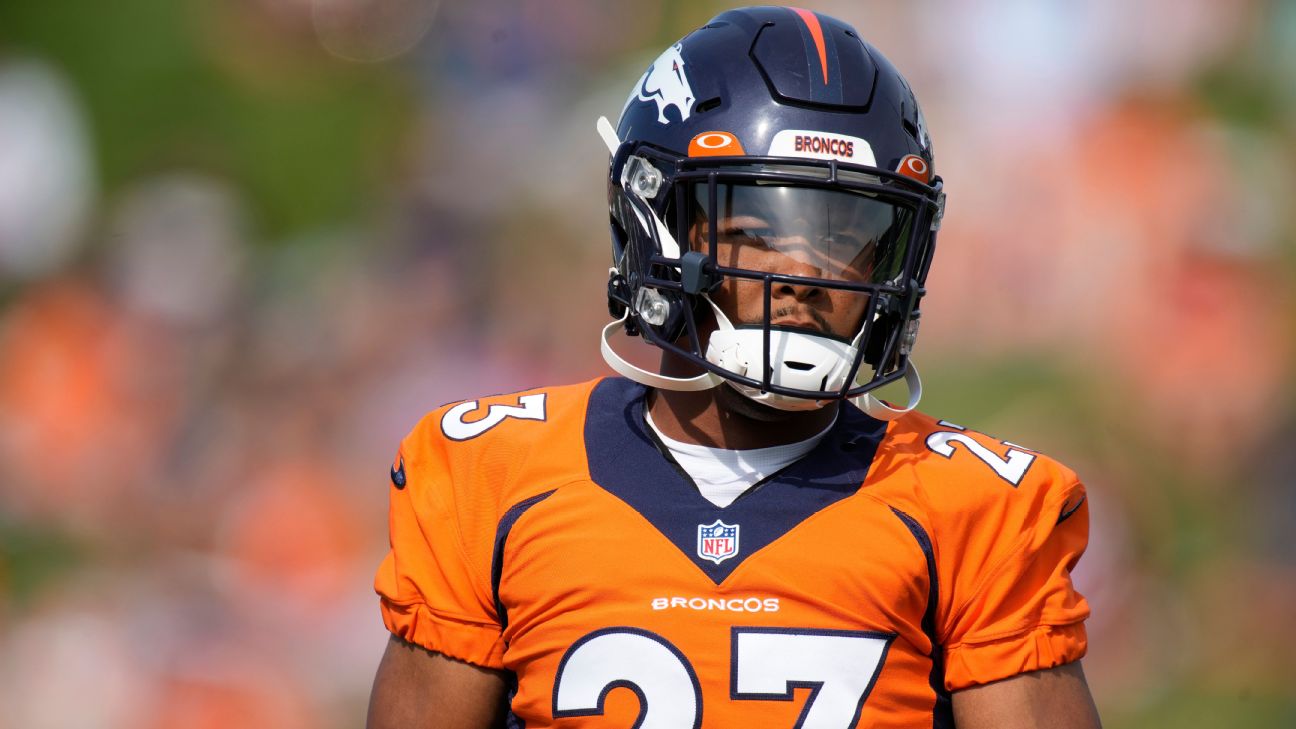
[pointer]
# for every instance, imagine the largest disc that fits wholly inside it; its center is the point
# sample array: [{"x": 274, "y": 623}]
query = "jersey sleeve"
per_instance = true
[
  {"x": 434, "y": 593},
  {"x": 1007, "y": 558}
]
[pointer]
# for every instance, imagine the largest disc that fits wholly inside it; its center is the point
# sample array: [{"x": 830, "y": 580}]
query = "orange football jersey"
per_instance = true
[{"x": 545, "y": 534}]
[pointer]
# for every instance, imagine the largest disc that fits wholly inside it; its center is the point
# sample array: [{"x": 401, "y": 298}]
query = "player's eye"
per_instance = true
[{"x": 758, "y": 237}]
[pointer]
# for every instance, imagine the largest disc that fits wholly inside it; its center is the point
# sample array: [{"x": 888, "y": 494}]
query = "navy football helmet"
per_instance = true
[{"x": 773, "y": 151}]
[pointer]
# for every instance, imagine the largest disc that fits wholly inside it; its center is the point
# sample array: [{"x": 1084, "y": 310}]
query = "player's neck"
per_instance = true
[{"x": 721, "y": 417}]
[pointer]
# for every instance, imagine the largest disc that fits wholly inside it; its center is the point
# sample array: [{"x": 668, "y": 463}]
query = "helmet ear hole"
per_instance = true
[{"x": 705, "y": 106}]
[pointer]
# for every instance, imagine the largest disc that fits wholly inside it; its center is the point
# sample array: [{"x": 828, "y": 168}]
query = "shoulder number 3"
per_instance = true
[
  {"x": 529, "y": 407},
  {"x": 767, "y": 665}
]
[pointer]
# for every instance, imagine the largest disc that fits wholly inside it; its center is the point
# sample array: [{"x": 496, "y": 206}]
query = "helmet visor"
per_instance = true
[{"x": 834, "y": 234}]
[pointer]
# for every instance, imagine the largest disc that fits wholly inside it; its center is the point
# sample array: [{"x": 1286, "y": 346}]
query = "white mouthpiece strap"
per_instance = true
[
  {"x": 608, "y": 134},
  {"x": 722, "y": 321},
  {"x": 704, "y": 381},
  {"x": 877, "y": 409},
  {"x": 669, "y": 246}
]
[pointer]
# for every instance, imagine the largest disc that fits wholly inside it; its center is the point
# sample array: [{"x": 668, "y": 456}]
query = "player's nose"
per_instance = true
[{"x": 797, "y": 291}]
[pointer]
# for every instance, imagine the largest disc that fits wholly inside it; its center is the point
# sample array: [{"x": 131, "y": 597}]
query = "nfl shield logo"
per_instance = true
[{"x": 717, "y": 541}]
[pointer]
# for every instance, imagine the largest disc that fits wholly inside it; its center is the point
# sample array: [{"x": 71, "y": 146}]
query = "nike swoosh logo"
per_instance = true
[
  {"x": 398, "y": 475},
  {"x": 1068, "y": 512}
]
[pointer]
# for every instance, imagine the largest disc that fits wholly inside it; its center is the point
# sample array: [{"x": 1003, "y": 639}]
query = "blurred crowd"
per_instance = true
[{"x": 245, "y": 245}]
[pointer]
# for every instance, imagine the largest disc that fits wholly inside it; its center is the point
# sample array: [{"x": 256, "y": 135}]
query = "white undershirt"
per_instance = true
[{"x": 721, "y": 474}]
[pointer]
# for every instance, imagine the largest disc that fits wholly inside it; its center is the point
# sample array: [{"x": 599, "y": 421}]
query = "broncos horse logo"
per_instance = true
[{"x": 666, "y": 84}]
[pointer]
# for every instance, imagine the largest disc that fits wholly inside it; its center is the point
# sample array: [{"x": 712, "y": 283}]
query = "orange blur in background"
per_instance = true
[{"x": 245, "y": 245}]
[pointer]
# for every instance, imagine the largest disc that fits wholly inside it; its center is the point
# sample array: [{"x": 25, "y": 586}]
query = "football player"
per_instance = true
[{"x": 745, "y": 536}]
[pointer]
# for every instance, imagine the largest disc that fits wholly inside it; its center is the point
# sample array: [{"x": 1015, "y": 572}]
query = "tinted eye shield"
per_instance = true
[
  {"x": 697, "y": 184},
  {"x": 710, "y": 188},
  {"x": 700, "y": 183}
]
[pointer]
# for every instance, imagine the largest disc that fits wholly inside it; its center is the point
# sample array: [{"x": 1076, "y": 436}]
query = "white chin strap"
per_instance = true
[
  {"x": 875, "y": 408},
  {"x": 624, "y": 367}
]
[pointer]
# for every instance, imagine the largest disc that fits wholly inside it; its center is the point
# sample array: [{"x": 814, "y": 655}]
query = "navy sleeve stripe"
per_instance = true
[
  {"x": 505, "y": 526},
  {"x": 942, "y": 711}
]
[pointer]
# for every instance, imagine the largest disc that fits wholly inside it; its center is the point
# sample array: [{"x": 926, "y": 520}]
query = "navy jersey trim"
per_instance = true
[
  {"x": 942, "y": 711},
  {"x": 512, "y": 720},
  {"x": 502, "y": 530},
  {"x": 624, "y": 460}
]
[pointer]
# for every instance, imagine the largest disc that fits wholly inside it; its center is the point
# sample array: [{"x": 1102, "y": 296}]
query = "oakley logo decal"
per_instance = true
[
  {"x": 715, "y": 144},
  {"x": 915, "y": 167}
]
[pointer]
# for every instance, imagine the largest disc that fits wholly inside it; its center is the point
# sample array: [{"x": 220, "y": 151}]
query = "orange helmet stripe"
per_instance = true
[{"x": 816, "y": 32}]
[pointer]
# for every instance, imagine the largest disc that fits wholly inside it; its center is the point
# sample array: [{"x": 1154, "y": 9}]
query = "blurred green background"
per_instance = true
[{"x": 245, "y": 244}]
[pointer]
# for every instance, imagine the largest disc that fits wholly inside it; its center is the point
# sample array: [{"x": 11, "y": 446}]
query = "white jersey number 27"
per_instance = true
[{"x": 768, "y": 665}]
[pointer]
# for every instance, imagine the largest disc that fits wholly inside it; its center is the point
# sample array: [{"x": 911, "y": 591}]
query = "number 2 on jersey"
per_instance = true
[
  {"x": 1010, "y": 468},
  {"x": 768, "y": 663}
]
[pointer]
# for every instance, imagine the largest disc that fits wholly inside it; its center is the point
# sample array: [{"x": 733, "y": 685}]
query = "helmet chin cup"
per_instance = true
[
  {"x": 875, "y": 408},
  {"x": 624, "y": 367},
  {"x": 798, "y": 360},
  {"x": 775, "y": 400}
]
